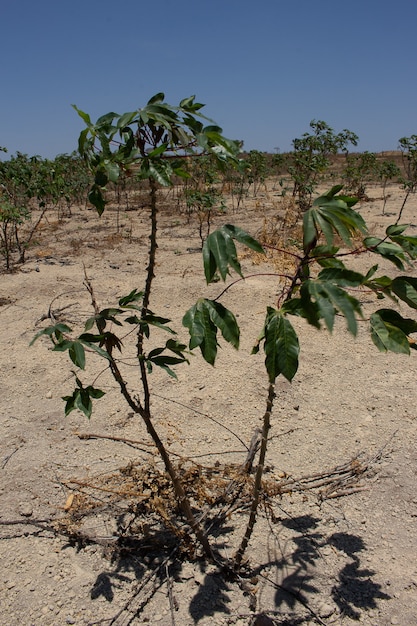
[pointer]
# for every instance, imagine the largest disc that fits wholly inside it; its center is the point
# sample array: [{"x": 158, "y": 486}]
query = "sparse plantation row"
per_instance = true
[{"x": 31, "y": 188}]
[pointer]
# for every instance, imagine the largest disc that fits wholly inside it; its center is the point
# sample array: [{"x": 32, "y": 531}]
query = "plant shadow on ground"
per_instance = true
[
  {"x": 290, "y": 575},
  {"x": 294, "y": 575}
]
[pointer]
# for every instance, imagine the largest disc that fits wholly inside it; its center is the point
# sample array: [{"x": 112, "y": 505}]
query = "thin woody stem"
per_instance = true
[
  {"x": 258, "y": 478},
  {"x": 145, "y": 410}
]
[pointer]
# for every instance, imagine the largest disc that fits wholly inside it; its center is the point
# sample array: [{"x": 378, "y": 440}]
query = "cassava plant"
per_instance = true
[
  {"x": 387, "y": 171},
  {"x": 147, "y": 143},
  {"x": 360, "y": 170},
  {"x": 408, "y": 147},
  {"x": 11, "y": 218},
  {"x": 320, "y": 286},
  {"x": 202, "y": 193},
  {"x": 203, "y": 203},
  {"x": 257, "y": 170},
  {"x": 29, "y": 183},
  {"x": 310, "y": 158}
]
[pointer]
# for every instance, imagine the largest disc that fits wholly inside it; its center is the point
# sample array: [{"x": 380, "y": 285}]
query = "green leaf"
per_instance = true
[
  {"x": 89, "y": 338},
  {"x": 103, "y": 353},
  {"x": 325, "y": 256},
  {"x": 133, "y": 296},
  {"x": 396, "y": 229},
  {"x": 331, "y": 215},
  {"x": 188, "y": 103},
  {"x": 158, "y": 151},
  {"x": 175, "y": 346},
  {"x": 405, "y": 287},
  {"x": 84, "y": 116},
  {"x": 281, "y": 346},
  {"x": 324, "y": 226},
  {"x": 390, "y": 251},
  {"x": 110, "y": 315},
  {"x": 219, "y": 251},
  {"x": 209, "y": 263},
  {"x": 192, "y": 320},
  {"x": 216, "y": 244},
  {"x": 406, "y": 324},
  {"x": 324, "y": 308},
  {"x": 332, "y": 192},
  {"x": 63, "y": 345},
  {"x": 342, "y": 277},
  {"x": 96, "y": 198},
  {"x": 126, "y": 119},
  {"x": 303, "y": 307},
  {"x": 50, "y": 331},
  {"x": 178, "y": 171},
  {"x": 329, "y": 299},
  {"x": 83, "y": 402},
  {"x": 371, "y": 272},
  {"x": 95, "y": 393},
  {"x": 89, "y": 323},
  {"x": 159, "y": 322},
  {"x": 69, "y": 402},
  {"x": 134, "y": 319},
  {"x": 77, "y": 354},
  {"x": 159, "y": 97},
  {"x": 387, "y": 336},
  {"x": 225, "y": 321},
  {"x": 203, "y": 332},
  {"x": 112, "y": 171},
  {"x": 107, "y": 119},
  {"x": 101, "y": 179},
  {"x": 164, "y": 361},
  {"x": 310, "y": 232},
  {"x": 330, "y": 262},
  {"x": 243, "y": 237},
  {"x": 161, "y": 172},
  {"x": 408, "y": 244}
]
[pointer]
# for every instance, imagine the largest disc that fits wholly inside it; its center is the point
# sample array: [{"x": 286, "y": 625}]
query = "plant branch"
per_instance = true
[
  {"x": 258, "y": 479},
  {"x": 238, "y": 280}
]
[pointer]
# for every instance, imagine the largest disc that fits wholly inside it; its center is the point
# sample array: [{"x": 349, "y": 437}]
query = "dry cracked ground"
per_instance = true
[{"x": 350, "y": 411}]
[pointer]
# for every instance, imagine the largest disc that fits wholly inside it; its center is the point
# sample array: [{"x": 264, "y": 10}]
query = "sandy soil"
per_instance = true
[{"x": 314, "y": 560}]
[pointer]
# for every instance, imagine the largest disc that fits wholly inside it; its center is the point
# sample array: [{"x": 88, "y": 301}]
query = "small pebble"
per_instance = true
[{"x": 25, "y": 509}]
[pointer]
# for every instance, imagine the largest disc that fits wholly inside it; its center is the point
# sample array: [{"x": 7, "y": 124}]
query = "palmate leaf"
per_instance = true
[
  {"x": 95, "y": 196},
  {"x": 203, "y": 320},
  {"x": 164, "y": 361},
  {"x": 332, "y": 215},
  {"x": 77, "y": 354},
  {"x": 55, "y": 333},
  {"x": 342, "y": 277},
  {"x": 281, "y": 346},
  {"x": 133, "y": 296},
  {"x": 160, "y": 171},
  {"x": 90, "y": 341},
  {"x": 405, "y": 288},
  {"x": 407, "y": 243},
  {"x": 390, "y": 251},
  {"x": 389, "y": 331},
  {"x": 220, "y": 254},
  {"x": 81, "y": 399},
  {"x": 75, "y": 350},
  {"x": 323, "y": 299}
]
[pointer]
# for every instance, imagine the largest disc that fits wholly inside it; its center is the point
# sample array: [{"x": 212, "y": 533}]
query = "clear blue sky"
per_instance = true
[{"x": 264, "y": 68}]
